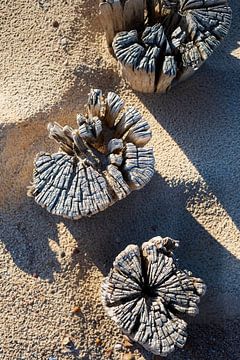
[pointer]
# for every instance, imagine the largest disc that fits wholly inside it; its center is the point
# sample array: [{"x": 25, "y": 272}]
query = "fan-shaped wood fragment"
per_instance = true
[
  {"x": 98, "y": 163},
  {"x": 95, "y": 103},
  {"x": 165, "y": 41},
  {"x": 89, "y": 128},
  {"x": 138, "y": 165},
  {"x": 114, "y": 104},
  {"x": 145, "y": 292}
]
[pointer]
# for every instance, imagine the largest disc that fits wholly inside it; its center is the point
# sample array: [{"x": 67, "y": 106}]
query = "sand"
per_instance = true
[{"x": 52, "y": 52}]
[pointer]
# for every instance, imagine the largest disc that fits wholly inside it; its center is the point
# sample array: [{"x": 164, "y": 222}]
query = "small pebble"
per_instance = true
[
  {"x": 76, "y": 309},
  {"x": 55, "y": 24},
  {"x": 76, "y": 251},
  {"x": 98, "y": 341},
  {"x": 118, "y": 347},
  {"x": 64, "y": 43}
]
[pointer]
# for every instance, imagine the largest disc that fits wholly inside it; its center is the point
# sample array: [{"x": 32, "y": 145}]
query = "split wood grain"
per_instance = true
[
  {"x": 98, "y": 163},
  {"x": 161, "y": 42},
  {"x": 145, "y": 294}
]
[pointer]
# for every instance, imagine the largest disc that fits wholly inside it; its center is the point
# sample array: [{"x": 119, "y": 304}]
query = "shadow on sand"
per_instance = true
[{"x": 201, "y": 116}]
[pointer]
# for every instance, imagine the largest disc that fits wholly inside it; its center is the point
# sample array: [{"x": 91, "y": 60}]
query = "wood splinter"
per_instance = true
[
  {"x": 145, "y": 292},
  {"x": 161, "y": 42},
  {"x": 98, "y": 163}
]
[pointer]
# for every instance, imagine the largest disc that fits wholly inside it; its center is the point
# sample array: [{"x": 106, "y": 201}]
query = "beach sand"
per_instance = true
[{"x": 52, "y": 53}]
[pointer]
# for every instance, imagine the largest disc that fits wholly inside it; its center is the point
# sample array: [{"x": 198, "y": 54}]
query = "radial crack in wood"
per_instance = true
[
  {"x": 118, "y": 15},
  {"x": 145, "y": 293},
  {"x": 159, "y": 43},
  {"x": 98, "y": 163}
]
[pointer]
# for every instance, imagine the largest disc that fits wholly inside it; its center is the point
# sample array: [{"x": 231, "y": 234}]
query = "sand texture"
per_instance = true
[{"x": 52, "y": 52}]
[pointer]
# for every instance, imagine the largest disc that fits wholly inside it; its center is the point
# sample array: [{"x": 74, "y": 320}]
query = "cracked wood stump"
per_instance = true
[
  {"x": 145, "y": 292},
  {"x": 161, "y": 42},
  {"x": 98, "y": 163}
]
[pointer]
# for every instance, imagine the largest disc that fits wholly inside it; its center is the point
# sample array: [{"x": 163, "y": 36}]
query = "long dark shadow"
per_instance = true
[
  {"x": 161, "y": 210},
  {"x": 202, "y": 116}
]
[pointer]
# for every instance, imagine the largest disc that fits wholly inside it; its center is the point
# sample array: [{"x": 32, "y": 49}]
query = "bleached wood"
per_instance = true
[
  {"x": 145, "y": 292},
  {"x": 57, "y": 133},
  {"x": 139, "y": 133},
  {"x": 95, "y": 105},
  {"x": 138, "y": 165},
  {"x": 106, "y": 21},
  {"x": 162, "y": 42},
  {"x": 118, "y": 15},
  {"x": 115, "y": 145},
  {"x": 129, "y": 118},
  {"x": 114, "y": 105},
  {"x": 168, "y": 74},
  {"x": 112, "y": 19},
  {"x": 117, "y": 182},
  {"x": 93, "y": 168},
  {"x": 90, "y": 129},
  {"x": 133, "y": 13}
]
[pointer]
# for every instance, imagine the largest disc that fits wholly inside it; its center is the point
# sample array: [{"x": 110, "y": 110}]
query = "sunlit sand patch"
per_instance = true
[{"x": 202, "y": 203}]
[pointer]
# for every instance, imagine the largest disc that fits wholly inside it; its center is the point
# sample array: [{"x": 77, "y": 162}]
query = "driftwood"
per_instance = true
[
  {"x": 98, "y": 163},
  {"x": 160, "y": 42},
  {"x": 145, "y": 292}
]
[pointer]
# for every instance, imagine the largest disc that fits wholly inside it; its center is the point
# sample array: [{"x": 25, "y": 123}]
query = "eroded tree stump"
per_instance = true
[
  {"x": 161, "y": 42},
  {"x": 145, "y": 292},
  {"x": 98, "y": 163}
]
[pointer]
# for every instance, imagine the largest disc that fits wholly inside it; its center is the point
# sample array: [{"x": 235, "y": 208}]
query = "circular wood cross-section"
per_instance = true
[
  {"x": 98, "y": 163},
  {"x": 161, "y": 42},
  {"x": 145, "y": 294}
]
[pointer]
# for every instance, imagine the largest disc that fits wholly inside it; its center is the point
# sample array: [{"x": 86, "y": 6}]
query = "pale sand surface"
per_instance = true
[{"x": 45, "y": 75}]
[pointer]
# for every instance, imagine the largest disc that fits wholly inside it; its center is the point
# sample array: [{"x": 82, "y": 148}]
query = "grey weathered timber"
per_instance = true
[
  {"x": 98, "y": 163},
  {"x": 145, "y": 294},
  {"x": 161, "y": 42}
]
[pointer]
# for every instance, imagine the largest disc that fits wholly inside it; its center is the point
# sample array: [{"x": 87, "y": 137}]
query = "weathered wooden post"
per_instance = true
[
  {"x": 161, "y": 42},
  {"x": 145, "y": 292},
  {"x": 98, "y": 163}
]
